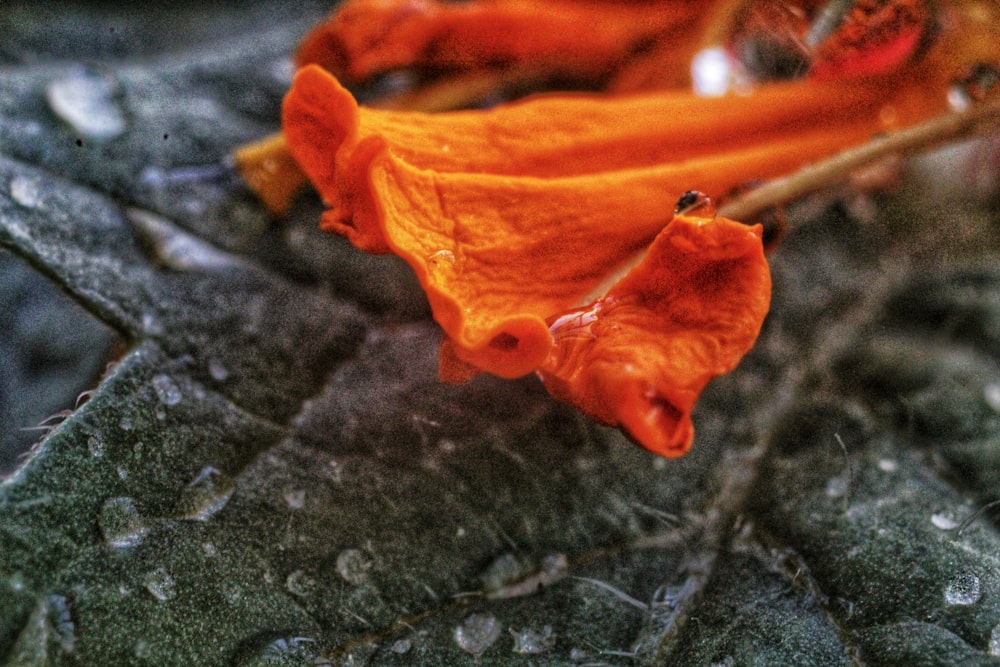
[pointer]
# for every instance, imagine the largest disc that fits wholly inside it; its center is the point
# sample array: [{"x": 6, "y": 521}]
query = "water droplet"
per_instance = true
[
  {"x": 476, "y": 633},
  {"x": 209, "y": 549},
  {"x": 442, "y": 262},
  {"x": 287, "y": 651},
  {"x": 16, "y": 582},
  {"x": 504, "y": 570},
  {"x": 167, "y": 390},
  {"x": 141, "y": 649},
  {"x": 974, "y": 86},
  {"x": 177, "y": 248},
  {"x": 299, "y": 583},
  {"x": 160, "y": 584},
  {"x": 295, "y": 499},
  {"x": 86, "y": 100},
  {"x": 353, "y": 566},
  {"x": 121, "y": 524},
  {"x": 994, "y": 647},
  {"x": 122, "y": 473},
  {"x": 532, "y": 642},
  {"x": 888, "y": 465},
  {"x": 282, "y": 70},
  {"x": 160, "y": 412},
  {"x": 206, "y": 494},
  {"x": 218, "y": 372},
  {"x": 125, "y": 424},
  {"x": 964, "y": 589},
  {"x": 402, "y": 646},
  {"x": 576, "y": 323},
  {"x": 944, "y": 521},
  {"x": 95, "y": 445},
  {"x": 151, "y": 326},
  {"x": 26, "y": 191},
  {"x": 991, "y": 394},
  {"x": 836, "y": 486}
]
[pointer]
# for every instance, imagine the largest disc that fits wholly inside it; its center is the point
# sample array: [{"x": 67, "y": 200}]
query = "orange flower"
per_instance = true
[
  {"x": 577, "y": 40},
  {"x": 517, "y": 219}
]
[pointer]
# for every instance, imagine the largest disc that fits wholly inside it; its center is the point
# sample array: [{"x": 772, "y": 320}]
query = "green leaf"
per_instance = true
[{"x": 269, "y": 473}]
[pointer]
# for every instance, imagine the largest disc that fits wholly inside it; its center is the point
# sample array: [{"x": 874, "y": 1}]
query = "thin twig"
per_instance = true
[
  {"x": 943, "y": 128},
  {"x": 951, "y": 126}
]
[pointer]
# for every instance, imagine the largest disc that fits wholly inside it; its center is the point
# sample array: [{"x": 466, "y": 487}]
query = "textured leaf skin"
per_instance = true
[{"x": 368, "y": 497}]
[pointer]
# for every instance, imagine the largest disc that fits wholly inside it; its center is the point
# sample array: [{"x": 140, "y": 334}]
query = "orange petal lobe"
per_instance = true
[{"x": 639, "y": 357}]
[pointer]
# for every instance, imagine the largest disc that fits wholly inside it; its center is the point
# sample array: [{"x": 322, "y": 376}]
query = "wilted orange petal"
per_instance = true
[
  {"x": 582, "y": 40},
  {"x": 269, "y": 169},
  {"x": 497, "y": 253},
  {"x": 639, "y": 357},
  {"x": 566, "y": 134},
  {"x": 714, "y": 144}
]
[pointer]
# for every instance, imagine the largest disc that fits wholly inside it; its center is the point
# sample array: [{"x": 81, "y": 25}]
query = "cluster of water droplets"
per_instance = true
[
  {"x": 294, "y": 650},
  {"x": 168, "y": 393},
  {"x": 48, "y": 636}
]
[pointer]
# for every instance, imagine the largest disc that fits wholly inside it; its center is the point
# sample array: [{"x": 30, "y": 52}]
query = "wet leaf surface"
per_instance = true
[{"x": 269, "y": 473}]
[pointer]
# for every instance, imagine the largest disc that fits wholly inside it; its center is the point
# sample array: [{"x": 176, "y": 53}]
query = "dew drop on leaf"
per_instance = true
[
  {"x": 295, "y": 499},
  {"x": 991, "y": 394},
  {"x": 503, "y": 570},
  {"x": 176, "y": 248},
  {"x": 167, "y": 390},
  {"x": 299, "y": 583},
  {"x": 944, "y": 521},
  {"x": 532, "y": 642},
  {"x": 206, "y": 494},
  {"x": 888, "y": 465},
  {"x": 353, "y": 566},
  {"x": 287, "y": 651},
  {"x": 994, "y": 646},
  {"x": 836, "y": 486},
  {"x": 86, "y": 100},
  {"x": 401, "y": 646},
  {"x": 963, "y": 589},
  {"x": 477, "y": 632},
  {"x": 160, "y": 584},
  {"x": 217, "y": 370},
  {"x": 121, "y": 524},
  {"x": 25, "y": 190},
  {"x": 95, "y": 445}
]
